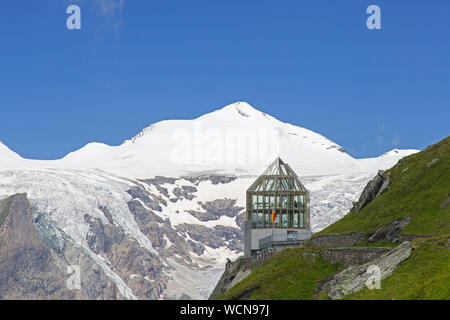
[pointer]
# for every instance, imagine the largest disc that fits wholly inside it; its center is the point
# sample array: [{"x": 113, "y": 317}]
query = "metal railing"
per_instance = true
[{"x": 279, "y": 240}]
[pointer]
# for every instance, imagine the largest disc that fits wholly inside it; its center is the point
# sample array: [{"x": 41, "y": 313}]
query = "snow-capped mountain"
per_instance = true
[
  {"x": 172, "y": 198},
  {"x": 236, "y": 139}
]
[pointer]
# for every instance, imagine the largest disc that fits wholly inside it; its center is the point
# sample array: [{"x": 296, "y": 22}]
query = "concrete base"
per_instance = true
[{"x": 258, "y": 239}]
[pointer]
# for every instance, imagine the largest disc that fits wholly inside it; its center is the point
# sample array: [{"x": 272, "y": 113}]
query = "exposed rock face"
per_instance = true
[
  {"x": 164, "y": 238},
  {"x": 390, "y": 232},
  {"x": 239, "y": 270},
  {"x": 84, "y": 217},
  {"x": 27, "y": 269},
  {"x": 216, "y": 209},
  {"x": 215, "y": 179},
  {"x": 140, "y": 270},
  {"x": 215, "y": 237},
  {"x": 445, "y": 203},
  {"x": 31, "y": 268},
  {"x": 351, "y": 256},
  {"x": 337, "y": 239},
  {"x": 354, "y": 278},
  {"x": 377, "y": 186},
  {"x": 145, "y": 197}
]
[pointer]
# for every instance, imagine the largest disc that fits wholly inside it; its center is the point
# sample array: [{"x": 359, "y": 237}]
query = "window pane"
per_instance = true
[
  {"x": 266, "y": 202},
  {"x": 295, "y": 224},
  {"x": 260, "y": 220},
  {"x": 284, "y": 201},
  {"x": 297, "y": 202},
  {"x": 284, "y": 221}
]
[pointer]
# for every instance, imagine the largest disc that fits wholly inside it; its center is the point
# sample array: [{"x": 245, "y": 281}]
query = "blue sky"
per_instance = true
[{"x": 310, "y": 63}]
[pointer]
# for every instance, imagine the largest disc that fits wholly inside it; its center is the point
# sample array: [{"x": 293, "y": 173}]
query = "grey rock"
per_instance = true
[
  {"x": 140, "y": 270},
  {"x": 445, "y": 203},
  {"x": 238, "y": 271},
  {"x": 141, "y": 194},
  {"x": 351, "y": 256},
  {"x": 429, "y": 164},
  {"x": 215, "y": 179},
  {"x": 390, "y": 232},
  {"x": 31, "y": 269},
  {"x": 185, "y": 192},
  {"x": 377, "y": 186},
  {"x": 354, "y": 278},
  {"x": 155, "y": 228},
  {"x": 216, "y": 209},
  {"x": 107, "y": 214}
]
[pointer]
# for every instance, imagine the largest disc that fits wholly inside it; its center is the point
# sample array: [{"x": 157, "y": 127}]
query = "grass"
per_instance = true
[
  {"x": 424, "y": 275},
  {"x": 419, "y": 185},
  {"x": 292, "y": 274},
  {"x": 417, "y": 188},
  {"x": 366, "y": 244}
]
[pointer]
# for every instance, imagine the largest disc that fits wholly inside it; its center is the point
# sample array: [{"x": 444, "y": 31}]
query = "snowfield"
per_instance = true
[{"x": 177, "y": 189}]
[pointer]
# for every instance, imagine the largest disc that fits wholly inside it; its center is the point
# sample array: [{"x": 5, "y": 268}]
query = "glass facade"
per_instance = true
[{"x": 278, "y": 190}]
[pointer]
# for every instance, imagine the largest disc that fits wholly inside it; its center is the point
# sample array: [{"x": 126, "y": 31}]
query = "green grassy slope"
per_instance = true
[
  {"x": 418, "y": 187},
  {"x": 291, "y": 274},
  {"x": 425, "y": 275}
]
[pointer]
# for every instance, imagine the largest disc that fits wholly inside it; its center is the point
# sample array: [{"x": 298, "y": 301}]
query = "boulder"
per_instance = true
[
  {"x": 351, "y": 256},
  {"x": 390, "y": 232},
  {"x": 354, "y": 278},
  {"x": 377, "y": 186}
]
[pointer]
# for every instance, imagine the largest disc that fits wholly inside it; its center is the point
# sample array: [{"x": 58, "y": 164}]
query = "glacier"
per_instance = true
[{"x": 177, "y": 191}]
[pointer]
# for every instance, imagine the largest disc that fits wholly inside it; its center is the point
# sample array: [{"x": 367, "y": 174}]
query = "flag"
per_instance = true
[{"x": 274, "y": 215}]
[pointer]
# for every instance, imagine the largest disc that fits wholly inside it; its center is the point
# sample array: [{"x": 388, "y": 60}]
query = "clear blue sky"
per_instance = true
[{"x": 310, "y": 63}]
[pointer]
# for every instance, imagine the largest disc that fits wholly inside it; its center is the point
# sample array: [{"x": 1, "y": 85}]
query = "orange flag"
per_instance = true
[{"x": 274, "y": 215}]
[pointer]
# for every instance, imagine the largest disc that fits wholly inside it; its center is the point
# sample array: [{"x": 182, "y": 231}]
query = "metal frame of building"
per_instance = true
[{"x": 277, "y": 189}]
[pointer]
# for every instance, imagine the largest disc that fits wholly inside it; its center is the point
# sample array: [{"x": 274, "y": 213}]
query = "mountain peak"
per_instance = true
[{"x": 244, "y": 109}]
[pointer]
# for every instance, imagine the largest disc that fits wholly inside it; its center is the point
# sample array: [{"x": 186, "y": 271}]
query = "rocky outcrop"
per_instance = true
[
  {"x": 351, "y": 256},
  {"x": 148, "y": 200},
  {"x": 239, "y": 270},
  {"x": 390, "y": 232},
  {"x": 444, "y": 204},
  {"x": 377, "y": 186},
  {"x": 354, "y": 278},
  {"x": 141, "y": 271},
  {"x": 31, "y": 268},
  {"x": 27, "y": 268},
  {"x": 215, "y": 179},
  {"x": 215, "y": 209},
  {"x": 167, "y": 241},
  {"x": 337, "y": 239}
]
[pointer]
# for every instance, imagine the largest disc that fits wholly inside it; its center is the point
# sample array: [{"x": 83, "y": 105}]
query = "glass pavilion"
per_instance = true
[{"x": 278, "y": 189}]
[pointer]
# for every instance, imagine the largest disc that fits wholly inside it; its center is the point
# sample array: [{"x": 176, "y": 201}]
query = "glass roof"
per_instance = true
[{"x": 277, "y": 177}]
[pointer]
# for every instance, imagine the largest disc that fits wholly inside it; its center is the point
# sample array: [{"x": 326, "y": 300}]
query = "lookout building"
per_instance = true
[{"x": 277, "y": 210}]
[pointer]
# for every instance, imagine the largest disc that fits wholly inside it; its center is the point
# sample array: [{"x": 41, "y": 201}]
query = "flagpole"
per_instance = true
[{"x": 273, "y": 222}]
